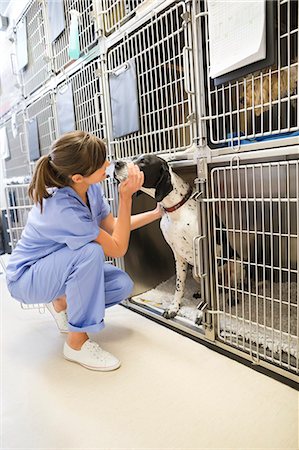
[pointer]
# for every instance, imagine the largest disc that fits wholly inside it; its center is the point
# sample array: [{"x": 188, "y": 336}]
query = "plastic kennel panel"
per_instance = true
[
  {"x": 256, "y": 226},
  {"x": 37, "y": 70},
  {"x": 87, "y": 99},
  {"x": 117, "y": 12},
  {"x": 264, "y": 104},
  {"x": 87, "y": 34},
  {"x": 17, "y": 165},
  {"x": 161, "y": 50},
  {"x": 42, "y": 110}
]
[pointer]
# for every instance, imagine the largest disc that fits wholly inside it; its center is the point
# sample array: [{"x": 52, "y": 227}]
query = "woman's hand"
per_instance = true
[
  {"x": 158, "y": 212},
  {"x": 133, "y": 183}
]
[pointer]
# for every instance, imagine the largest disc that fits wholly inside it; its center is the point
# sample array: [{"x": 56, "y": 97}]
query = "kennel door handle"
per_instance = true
[
  {"x": 97, "y": 109},
  {"x": 22, "y": 150},
  {"x": 196, "y": 256},
  {"x": 50, "y": 127},
  {"x": 186, "y": 78}
]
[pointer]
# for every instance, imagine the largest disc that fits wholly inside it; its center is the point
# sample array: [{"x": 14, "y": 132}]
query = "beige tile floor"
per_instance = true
[{"x": 170, "y": 393}]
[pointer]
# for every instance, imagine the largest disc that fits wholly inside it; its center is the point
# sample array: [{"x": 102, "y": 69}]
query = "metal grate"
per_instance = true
[
  {"x": 87, "y": 35},
  {"x": 42, "y": 109},
  {"x": 256, "y": 249},
  {"x": 117, "y": 12},
  {"x": 17, "y": 165},
  {"x": 18, "y": 206},
  {"x": 37, "y": 70},
  {"x": 161, "y": 51},
  {"x": 264, "y": 103},
  {"x": 87, "y": 98}
]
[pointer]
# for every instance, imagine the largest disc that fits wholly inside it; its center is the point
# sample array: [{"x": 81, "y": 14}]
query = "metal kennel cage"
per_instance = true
[
  {"x": 162, "y": 51},
  {"x": 87, "y": 95},
  {"x": 87, "y": 32},
  {"x": 256, "y": 207},
  {"x": 38, "y": 69},
  {"x": 17, "y": 164},
  {"x": 43, "y": 111},
  {"x": 259, "y": 106},
  {"x": 114, "y": 13}
]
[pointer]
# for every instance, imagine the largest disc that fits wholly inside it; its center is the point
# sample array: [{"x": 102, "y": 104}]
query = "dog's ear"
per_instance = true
[{"x": 164, "y": 186}]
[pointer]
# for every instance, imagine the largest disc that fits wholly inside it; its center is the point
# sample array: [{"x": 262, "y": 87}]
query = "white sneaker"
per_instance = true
[
  {"x": 60, "y": 318},
  {"x": 91, "y": 356}
]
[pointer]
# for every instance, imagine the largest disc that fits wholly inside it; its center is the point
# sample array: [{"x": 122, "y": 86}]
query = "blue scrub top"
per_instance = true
[{"x": 65, "y": 221}]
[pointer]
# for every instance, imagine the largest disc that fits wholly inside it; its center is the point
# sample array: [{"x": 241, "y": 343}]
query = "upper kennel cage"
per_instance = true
[
  {"x": 114, "y": 13},
  {"x": 255, "y": 211},
  {"x": 37, "y": 70},
  {"x": 86, "y": 30},
  {"x": 260, "y": 105},
  {"x": 159, "y": 54},
  {"x": 16, "y": 164},
  {"x": 86, "y": 98}
]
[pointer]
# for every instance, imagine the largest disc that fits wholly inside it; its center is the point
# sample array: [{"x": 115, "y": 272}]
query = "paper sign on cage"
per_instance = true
[
  {"x": 33, "y": 139},
  {"x": 237, "y": 34},
  {"x": 21, "y": 44},
  {"x": 65, "y": 109},
  {"x": 4, "y": 144},
  {"x": 124, "y": 100},
  {"x": 56, "y": 18}
]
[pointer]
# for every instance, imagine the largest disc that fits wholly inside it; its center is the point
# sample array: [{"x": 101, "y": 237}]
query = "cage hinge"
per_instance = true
[
  {"x": 186, "y": 16},
  {"x": 192, "y": 118},
  {"x": 93, "y": 16},
  {"x": 98, "y": 73}
]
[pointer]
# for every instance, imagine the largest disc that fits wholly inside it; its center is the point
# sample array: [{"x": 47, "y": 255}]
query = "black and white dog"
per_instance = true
[{"x": 179, "y": 224}]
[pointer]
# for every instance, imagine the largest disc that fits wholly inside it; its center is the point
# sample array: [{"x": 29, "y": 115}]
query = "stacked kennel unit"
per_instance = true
[
  {"x": 249, "y": 125},
  {"x": 235, "y": 141},
  {"x": 160, "y": 49},
  {"x": 32, "y": 27},
  {"x": 87, "y": 32}
]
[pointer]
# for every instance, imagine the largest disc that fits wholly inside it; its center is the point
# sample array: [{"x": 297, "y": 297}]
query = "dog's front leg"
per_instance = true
[{"x": 181, "y": 272}]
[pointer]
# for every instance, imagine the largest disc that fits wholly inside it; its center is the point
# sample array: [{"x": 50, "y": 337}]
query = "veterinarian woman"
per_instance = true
[{"x": 59, "y": 259}]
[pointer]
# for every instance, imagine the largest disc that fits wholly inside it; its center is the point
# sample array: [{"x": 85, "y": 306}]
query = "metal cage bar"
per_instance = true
[
  {"x": 263, "y": 104},
  {"x": 116, "y": 12},
  {"x": 255, "y": 221},
  {"x": 37, "y": 70},
  {"x": 162, "y": 52}
]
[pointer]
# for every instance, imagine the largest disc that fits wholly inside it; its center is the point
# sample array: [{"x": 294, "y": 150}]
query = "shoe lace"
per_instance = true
[{"x": 96, "y": 351}]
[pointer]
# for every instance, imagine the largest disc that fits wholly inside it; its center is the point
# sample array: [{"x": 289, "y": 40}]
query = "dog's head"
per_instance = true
[{"x": 156, "y": 171}]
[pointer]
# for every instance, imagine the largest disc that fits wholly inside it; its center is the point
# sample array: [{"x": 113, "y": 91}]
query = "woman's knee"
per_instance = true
[
  {"x": 124, "y": 284},
  {"x": 92, "y": 251}
]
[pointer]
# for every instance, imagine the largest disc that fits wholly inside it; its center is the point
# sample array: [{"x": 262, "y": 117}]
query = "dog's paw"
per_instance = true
[{"x": 170, "y": 313}]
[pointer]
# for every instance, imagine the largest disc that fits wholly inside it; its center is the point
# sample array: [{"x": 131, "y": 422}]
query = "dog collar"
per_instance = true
[{"x": 181, "y": 203}]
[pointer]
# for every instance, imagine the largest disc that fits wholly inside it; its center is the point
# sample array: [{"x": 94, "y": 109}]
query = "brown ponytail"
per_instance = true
[{"x": 73, "y": 153}]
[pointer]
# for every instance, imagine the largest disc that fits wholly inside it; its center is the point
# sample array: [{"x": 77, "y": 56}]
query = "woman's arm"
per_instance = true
[
  {"x": 116, "y": 244},
  {"x": 137, "y": 221}
]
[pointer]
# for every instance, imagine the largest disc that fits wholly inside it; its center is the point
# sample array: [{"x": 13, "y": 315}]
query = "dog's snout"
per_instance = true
[{"x": 119, "y": 165}]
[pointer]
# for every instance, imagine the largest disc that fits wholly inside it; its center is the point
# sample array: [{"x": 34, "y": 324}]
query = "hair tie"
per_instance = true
[{"x": 49, "y": 158}]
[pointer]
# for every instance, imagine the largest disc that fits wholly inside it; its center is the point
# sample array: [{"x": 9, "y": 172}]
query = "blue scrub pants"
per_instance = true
[{"x": 90, "y": 285}]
